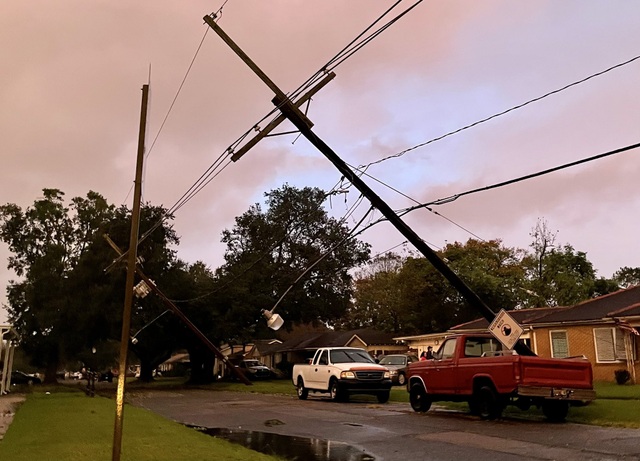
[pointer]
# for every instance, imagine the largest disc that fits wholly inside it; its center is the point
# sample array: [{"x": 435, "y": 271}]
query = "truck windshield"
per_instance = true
[{"x": 350, "y": 355}]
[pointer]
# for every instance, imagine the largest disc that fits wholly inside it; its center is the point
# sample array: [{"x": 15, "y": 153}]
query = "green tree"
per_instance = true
[
  {"x": 65, "y": 306},
  {"x": 378, "y": 299},
  {"x": 268, "y": 250},
  {"x": 627, "y": 276},
  {"x": 562, "y": 277},
  {"x": 46, "y": 241},
  {"x": 412, "y": 297},
  {"x": 559, "y": 275}
]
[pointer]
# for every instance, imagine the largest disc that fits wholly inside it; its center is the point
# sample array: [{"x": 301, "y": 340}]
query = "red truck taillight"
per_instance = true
[{"x": 516, "y": 370}]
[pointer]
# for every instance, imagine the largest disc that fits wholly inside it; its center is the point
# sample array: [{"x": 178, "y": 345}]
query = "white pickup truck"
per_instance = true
[{"x": 342, "y": 371}]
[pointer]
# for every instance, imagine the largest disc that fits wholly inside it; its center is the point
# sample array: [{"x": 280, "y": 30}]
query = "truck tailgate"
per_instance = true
[{"x": 571, "y": 373}]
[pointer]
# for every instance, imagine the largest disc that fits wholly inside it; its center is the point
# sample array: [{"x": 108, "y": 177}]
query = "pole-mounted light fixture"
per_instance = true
[{"x": 274, "y": 321}]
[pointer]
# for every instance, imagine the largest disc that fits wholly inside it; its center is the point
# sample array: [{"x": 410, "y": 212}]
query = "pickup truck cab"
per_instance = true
[
  {"x": 340, "y": 372},
  {"x": 476, "y": 368}
]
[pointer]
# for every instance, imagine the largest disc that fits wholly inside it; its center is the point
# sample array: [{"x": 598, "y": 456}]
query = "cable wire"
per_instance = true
[
  {"x": 454, "y": 197},
  {"x": 550, "y": 93}
]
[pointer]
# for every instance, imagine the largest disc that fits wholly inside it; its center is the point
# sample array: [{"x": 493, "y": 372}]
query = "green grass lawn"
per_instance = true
[{"x": 70, "y": 426}]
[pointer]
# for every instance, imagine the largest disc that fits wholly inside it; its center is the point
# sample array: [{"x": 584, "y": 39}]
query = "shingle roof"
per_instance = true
[
  {"x": 622, "y": 303},
  {"x": 522, "y": 316},
  {"x": 337, "y": 339},
  {"x": 610, "y": 305}
]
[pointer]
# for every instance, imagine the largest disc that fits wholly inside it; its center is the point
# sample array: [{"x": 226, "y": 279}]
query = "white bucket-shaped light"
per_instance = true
[{"x": 274, "y": 321}]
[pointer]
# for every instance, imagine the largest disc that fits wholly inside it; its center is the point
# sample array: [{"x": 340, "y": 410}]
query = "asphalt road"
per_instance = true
[{"x": 392, "y": 431}]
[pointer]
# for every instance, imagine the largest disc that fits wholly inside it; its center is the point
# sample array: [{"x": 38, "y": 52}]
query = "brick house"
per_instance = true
[{"x": 606, "y": 330}]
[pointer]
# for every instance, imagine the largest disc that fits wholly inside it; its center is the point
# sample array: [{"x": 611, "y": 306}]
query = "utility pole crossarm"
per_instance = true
[{"x": 281, "y": 118}]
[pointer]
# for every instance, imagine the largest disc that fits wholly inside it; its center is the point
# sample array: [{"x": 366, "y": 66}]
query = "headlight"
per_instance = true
[
  {"x": 393, "y": 372},
  {"x": 387, "y": 375},
  {"x": 347, "y": 375}
]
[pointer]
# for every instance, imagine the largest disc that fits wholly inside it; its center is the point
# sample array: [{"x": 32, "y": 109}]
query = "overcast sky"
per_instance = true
[{"x": 72, "y": 72}]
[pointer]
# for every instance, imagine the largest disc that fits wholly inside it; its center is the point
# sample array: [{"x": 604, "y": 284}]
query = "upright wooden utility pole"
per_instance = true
[
  {"x": 131, "y": 272},
  {"x": 290, "y": 111}
]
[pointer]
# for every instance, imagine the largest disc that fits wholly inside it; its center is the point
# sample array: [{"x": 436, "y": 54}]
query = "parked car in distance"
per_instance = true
[
  {"x": 76, "y": 375},
  {"x": 397, "y": 365},
  {"x": 253, "y": 369},
  {"x": 19, "y": 377}
]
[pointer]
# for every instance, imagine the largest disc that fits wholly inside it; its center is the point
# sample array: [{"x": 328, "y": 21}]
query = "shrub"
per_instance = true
[{"x": 622, "y": 376}]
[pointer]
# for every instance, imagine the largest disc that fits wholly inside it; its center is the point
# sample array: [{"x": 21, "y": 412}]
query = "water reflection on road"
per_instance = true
[{"x": 290, "y": 447}]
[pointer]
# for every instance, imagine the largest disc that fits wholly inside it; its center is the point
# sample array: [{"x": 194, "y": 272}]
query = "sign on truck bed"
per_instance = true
[{"x": 477, "y": 369}]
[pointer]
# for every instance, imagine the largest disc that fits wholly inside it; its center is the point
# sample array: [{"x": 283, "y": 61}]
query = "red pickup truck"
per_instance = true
[{"x": 476, "y": 368}]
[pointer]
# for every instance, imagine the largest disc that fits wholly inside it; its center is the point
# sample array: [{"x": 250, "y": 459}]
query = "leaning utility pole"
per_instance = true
[
  {"x": 131, "y": 272},
  {"x": 300, "y": 121}
]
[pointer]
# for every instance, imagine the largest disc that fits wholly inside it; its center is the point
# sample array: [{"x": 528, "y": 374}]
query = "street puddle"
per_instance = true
[{"x": 290, "y": 447}]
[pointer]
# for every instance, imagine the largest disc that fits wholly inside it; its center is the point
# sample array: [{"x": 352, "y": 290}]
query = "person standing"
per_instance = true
[{"x": 429, "y": 353}]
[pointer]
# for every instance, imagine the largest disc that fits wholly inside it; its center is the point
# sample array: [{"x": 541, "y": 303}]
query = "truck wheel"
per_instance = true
[
  {"x": 555, "y": 410},
  {"x": 383, "y": 397},
  {"x": 419, "y": 399},
  {"x": 300, "y": 389},
  {"x": 474, "y": 408},
  {"x": 401, "y": 379},
  {"x": 486, "y": 403},
  {"x": 337, "y": 395}
]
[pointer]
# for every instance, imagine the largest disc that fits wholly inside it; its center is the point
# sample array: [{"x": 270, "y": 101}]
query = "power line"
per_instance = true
[
  {"x": 416, "y": 201},
  {"x": 175, "y": 98},
  {"x": 597, "y": 74},
  {"x": 454, "y": 197}
]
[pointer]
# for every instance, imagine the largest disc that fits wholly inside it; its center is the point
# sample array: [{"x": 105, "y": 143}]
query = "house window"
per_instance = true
[
  {"x": 559, "y": 344},
  {"x": 609, "y": 344}
]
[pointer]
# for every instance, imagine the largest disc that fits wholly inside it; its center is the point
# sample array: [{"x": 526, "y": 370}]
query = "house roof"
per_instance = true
[
  {"x": 337, "y": 338},
  {"x": 522, "y": 316},
  {"x": 619, "y": 304},
  {"x": 267, "y": 346}
]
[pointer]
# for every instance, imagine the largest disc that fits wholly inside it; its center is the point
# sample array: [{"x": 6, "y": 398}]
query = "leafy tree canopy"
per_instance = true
[
  {"x": 63, "y": 303},
  {"x": 268, "y": 250}
]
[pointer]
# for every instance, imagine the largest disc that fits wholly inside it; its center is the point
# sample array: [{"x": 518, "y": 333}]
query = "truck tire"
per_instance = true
[
  {"x": 337, "y": 394},
  {"x": 418, "y": 398},
  {"x": 402, "y": 380},
  {"x": 383, "y": 397},
  {"x": 555, "y": 410},
  {"x": 487, "y": 404},
  {"x": 302, "y": 392}
]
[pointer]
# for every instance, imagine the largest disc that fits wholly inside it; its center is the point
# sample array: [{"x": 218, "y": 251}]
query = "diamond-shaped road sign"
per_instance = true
[{"x": 505, "y": 329}]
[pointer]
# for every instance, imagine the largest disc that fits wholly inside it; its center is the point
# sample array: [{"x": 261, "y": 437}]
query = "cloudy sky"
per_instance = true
[{"x": 70, "y": 96}]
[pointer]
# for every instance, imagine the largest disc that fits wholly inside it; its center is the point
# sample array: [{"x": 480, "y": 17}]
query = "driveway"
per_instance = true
[{"x": 393, "y": 431}]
